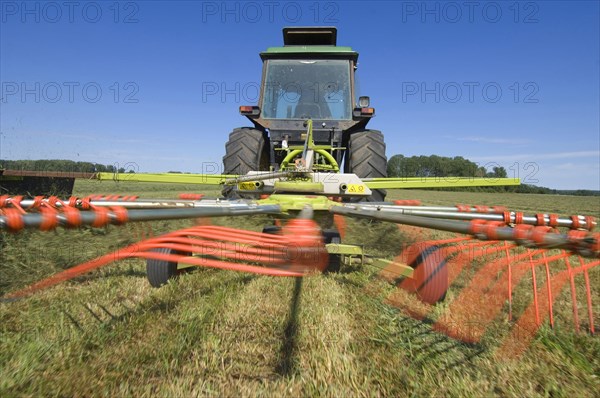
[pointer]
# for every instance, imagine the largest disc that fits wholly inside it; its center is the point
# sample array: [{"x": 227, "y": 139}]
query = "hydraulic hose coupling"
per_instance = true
[{"x": 306, "y": 249}]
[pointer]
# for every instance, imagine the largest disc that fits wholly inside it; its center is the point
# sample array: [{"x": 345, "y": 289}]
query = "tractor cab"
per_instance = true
[
  {"x": 311, "y": 88},
  {"x": 309, "y": 77}
]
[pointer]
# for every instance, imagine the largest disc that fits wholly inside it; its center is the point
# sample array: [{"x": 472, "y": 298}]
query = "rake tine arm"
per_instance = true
[
  {"x": 586, "y": 245},
  {"x": 59, "y": 219},
  {"x": 84, "y": 203},
  {"x": 446, "y": 225},
  {"x": 509, "y": 217}
]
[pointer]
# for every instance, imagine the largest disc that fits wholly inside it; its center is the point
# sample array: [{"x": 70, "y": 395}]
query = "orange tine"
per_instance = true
[
  {"x": 573, "y": 294},
  {"x": 549, "y": 286},
  {"x": 509, "y": 270},
  {"x": 588, "y": 294},
  {"x": 535, "y": 295}
]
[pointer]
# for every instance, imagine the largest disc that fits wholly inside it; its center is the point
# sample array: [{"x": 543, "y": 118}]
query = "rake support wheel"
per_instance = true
[
  {"x": 335, "y": 260},
  {"x": 430, "y": 278},
  {"x": 160, "y": 271}
]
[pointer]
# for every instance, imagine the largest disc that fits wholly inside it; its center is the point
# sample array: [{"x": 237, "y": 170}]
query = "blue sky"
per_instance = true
[{"x": 508, "y": 83}]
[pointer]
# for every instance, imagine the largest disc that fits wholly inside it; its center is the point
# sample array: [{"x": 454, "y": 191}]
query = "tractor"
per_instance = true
[{"x": 310, "y": 77}]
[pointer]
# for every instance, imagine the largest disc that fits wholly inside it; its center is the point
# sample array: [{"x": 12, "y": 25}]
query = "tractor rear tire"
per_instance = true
[
  {"x": 160, "y": 271},
  {"x": 366, "y": 158},
  {"x": 247, "y": 150}
]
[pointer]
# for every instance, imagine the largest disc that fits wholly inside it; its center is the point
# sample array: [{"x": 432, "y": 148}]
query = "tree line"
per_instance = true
[
  {"x": 440, "y": 166},
  {"x": 398, "y": 166},
  {"x": 60, "y": 165}
]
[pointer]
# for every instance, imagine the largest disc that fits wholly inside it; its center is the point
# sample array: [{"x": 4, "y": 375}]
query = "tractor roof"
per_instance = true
[
  {"x": 310, "y": 35},
  {"x": 309, "y": 42}
]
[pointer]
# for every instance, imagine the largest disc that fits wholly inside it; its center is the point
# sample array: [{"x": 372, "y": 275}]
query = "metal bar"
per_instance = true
[
  {"x": 176, "y": 178},
  {"x": 453, "y": 209},
  {"x": 446, "y": 225},
  {"x": 549, "y": 241},
  {"x": 147, "y": 203},
  {"x": 306, "y": 213},
  {"x": 456, "y": 215},
  {"x": 34, "y": 220},
  {"x": 268, "y": 175},
  {"x": 437, "y": 182},
  {"x": 308, "y": 153},
  {"x": 329, "y": 158},
  {"x": 218, "y": 179},
  {"x": 341, "y": 248},
  {"x": 289, "y": 157}
]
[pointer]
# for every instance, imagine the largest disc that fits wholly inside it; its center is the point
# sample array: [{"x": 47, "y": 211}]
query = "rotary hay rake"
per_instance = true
[
  {"x": 309, "y": 208},
  {"x": 535, "y": 245}
]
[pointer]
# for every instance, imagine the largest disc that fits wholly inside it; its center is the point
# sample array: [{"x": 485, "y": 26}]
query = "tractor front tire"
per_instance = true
[
  {"x": 366, "y": 158},
  {"x": 247, "y": 150}
]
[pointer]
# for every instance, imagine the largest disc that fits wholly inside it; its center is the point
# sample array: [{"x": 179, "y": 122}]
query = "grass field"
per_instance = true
[{"x": 222, "y": 333}]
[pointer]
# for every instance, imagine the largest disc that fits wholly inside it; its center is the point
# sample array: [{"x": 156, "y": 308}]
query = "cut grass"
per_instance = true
[{"x": 226, "y": 334}]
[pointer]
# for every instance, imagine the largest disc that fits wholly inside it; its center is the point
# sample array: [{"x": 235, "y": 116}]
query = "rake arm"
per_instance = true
[{"x": 580, "y": 242}]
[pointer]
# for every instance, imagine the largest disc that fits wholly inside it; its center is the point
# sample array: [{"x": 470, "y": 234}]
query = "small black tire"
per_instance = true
[
  {"x": 247, "y": 150},
  {"x": 272, "y": 229},
  {"x": 366, "y": 158},
  {"x": 159, "y": 272},
  {"x": 430, "y": 275},
  {"x": 335, "y": 260}
]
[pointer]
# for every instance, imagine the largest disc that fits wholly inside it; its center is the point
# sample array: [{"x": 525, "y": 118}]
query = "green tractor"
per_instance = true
[{"x": 310, "y": 77}]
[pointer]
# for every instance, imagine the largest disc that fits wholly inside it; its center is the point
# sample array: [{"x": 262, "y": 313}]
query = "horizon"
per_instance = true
[{"x": 131, "y": 170}]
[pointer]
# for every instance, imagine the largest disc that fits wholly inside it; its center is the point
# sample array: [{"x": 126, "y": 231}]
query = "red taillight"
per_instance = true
[
  {"x": 249, "y": 110},
  {"x": 363, "y": 112},
  {"x": 367, "y": 111}
]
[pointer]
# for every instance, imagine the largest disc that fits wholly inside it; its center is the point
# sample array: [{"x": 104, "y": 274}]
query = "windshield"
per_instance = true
[{"x": 301, "y": 89}]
